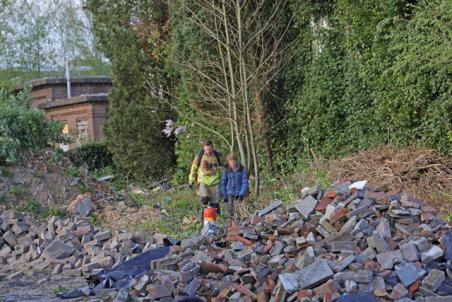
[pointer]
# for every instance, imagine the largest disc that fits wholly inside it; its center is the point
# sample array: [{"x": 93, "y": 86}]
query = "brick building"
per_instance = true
[{"x": 83, "y": 113}]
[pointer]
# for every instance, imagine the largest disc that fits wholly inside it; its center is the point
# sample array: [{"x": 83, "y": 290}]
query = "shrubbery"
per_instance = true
[
  {"x": 94, "y": 154},
  {"x": 378, "y": 72},
  {"x": 23, "y": 129},
  {"x": 362, "y": 73},
  {"x": 135, "y": 117}
]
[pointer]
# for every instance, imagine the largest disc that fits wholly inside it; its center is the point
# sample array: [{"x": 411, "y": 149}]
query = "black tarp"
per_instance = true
[{"x": 122, "y": 275}]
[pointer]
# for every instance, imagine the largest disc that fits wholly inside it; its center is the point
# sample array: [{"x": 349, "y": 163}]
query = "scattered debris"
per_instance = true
[
  {"x": 105, "y": 178},
  {"x": 81, "y": 205},
  {"x": 346, "y": 243},
  {"x": 418, "y": 171},
  {"x": 70, "y": 246}
]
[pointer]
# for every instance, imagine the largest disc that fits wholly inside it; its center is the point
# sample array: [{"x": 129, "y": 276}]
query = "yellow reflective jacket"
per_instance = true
[{"x": 206, "y": 168}]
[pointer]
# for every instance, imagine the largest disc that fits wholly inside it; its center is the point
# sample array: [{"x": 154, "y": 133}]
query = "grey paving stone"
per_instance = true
[
  {"x": 306, "y": 206},
  {"x": 102, "y": 236},
  {"x": 434, "y": 279},
  {"x": 277, "y": 248},
  {"x": 314, "y": 274},
  {"x": 407, "y": 273},
  {"x": 59, "y": 250},
  {"x": 10, "y": 238},
  {"x": 384, "y": 229},
  {"x": 388, "y": 259},
  {"x": 422, "y": 244},
  {"x": 289, "y": 282},
  {"x": 339, "y": 246},
  {"x": 433, "y": 253},
  {"x": 378, "y": 242},
  {"x": 409, "y": 251},
  {"x": 363, "y": 276},
  {"x": 270, "y": 208},
  {"x": 344, "y": 263}
]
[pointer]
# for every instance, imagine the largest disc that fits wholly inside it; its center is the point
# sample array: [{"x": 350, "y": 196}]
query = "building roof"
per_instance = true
[
  {"x": 62, "y": 81},
  {"x": 90, "y": 98}
]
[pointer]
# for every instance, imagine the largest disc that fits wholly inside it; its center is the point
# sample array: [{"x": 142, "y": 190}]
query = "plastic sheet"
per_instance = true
[{"x": 122, "y": 275}]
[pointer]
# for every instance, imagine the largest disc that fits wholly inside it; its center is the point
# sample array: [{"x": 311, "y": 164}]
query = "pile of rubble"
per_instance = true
[
  {"x": 346, "y": 243},
  {"x": 72, "y": 246}
]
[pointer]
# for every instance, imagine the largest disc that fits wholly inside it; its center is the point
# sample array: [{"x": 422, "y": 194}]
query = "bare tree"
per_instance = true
[{"x": 243, "y": 50}]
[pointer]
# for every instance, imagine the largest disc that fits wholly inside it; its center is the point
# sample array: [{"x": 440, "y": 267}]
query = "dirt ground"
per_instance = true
[
  {"x": 27, "y": 288},
  {"x": 119, "y": 216},
  {"x": 39, "y": 179}
]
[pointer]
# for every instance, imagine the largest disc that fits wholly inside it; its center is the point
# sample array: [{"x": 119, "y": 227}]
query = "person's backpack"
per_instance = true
[{"x": 215, "y": 153}]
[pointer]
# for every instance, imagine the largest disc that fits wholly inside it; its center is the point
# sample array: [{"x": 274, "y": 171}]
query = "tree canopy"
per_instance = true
[
  {"x": 277, "y": 80},
  {"x": 273, "y": 81}
]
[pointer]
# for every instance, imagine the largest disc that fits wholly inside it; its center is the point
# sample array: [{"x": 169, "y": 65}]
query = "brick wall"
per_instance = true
[
  {"x": 99, "y": 117},
  {"x": 94, "y": 113}
]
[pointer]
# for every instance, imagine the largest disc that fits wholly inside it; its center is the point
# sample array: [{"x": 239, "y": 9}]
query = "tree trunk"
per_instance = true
[
  {"x": 263, "y": 125},
  {"x": 232, "y": 83},
  {"x": 251, "y": 144}
]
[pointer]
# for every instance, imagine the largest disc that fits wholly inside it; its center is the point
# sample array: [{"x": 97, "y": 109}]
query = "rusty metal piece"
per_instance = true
[{"x": 208, "y": 267}]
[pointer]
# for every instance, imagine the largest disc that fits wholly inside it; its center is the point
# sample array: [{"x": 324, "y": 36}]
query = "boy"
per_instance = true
[{"x": 234, "y": 182}]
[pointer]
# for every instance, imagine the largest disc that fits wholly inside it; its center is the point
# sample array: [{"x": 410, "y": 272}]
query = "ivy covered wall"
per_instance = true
[{"x": 367, "y": 73}]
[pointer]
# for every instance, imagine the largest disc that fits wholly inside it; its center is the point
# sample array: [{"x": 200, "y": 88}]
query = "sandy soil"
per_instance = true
[{"x": 27, "y": 288}]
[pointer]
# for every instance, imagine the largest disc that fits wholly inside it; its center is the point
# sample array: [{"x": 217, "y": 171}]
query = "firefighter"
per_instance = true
[{"x": 206, "y": 173}]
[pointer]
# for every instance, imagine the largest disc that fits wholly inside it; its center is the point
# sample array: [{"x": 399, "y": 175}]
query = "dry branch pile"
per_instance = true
[{"x": 417, "y": 171}]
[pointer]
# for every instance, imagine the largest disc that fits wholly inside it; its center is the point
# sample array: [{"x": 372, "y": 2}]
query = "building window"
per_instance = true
[
  {"x": 65, "y": 147},
  {"x": 66, "y": 128},
  {"x": 82, "y": 131}
]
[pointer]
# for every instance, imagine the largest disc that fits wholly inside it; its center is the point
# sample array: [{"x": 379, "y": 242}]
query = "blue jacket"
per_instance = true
[{"x": 234, "y": 183}]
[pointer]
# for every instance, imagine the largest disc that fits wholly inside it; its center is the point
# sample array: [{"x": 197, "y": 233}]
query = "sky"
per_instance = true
[{"x": 43, "y": 34}]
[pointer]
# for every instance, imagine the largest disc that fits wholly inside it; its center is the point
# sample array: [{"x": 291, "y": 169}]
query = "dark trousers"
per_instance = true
[{"x": 230, "y": 204}]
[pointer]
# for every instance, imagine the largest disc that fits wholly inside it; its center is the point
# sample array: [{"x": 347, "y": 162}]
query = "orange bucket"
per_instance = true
[{"x": 210, "y": 214}]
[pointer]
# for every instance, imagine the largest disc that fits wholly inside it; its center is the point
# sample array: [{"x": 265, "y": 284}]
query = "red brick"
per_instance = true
[
  {"x": 304, "y": 293},
  {"x": 429, "y": 216},
  {"x": 330, "y": 194},
  {"x": 415, "y": 286},
  {"x": 371, "y": 265},
  {"x": 323, "y": 203},
  {"x": 338, "y": 214},
  {"x": 328, "y": 297},
  {"x": 239, "y": 238},
  {"x": 324, "y": 288}
]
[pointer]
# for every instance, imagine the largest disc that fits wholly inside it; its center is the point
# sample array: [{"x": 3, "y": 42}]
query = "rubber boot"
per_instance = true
[
  {"x": 217, "y": 207},
  {"x": 231, "y": 200}
]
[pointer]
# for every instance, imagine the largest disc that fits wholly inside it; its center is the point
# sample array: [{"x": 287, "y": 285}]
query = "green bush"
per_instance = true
[
  {"x": 379, "y": 73},
  {"x": 93, "y": 154},
  {"x": 23, "y": 129},
  {"x": 135, "y": 117},
  {"x": 72, "y": 172}
]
